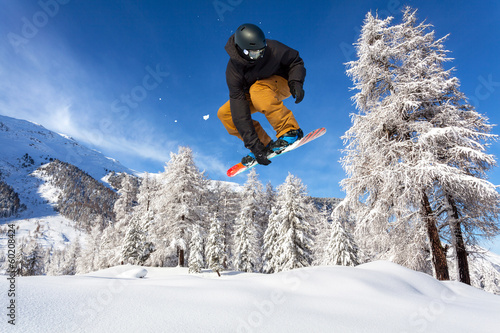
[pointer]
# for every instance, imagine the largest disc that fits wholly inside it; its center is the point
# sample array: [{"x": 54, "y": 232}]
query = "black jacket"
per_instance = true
[{"x": 241, "y": 73}]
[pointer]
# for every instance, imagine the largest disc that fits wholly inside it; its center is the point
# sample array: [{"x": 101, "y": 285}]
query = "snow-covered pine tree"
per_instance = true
[
  {"x": 56, "y": 262},
  {"x": 322, "y": 237},
  {"x": 248, "y": 232},
  {"x": 89, "y": 260},
  {"x": 109, "y": 254},
  {"x": 215, "y": 254},
  {"x": 71, "y": 254},
  {"x": 341, "y": 248},
  {"x": 414, "y": 134},
  {"x": 196, "y": 260},
  {"x": 134, "y": 242},
  {"x": 271, "y": 243},
  {"x": 225, "y": 203},
  {"x": 145, "y": 214},
  {"x": 178, "y": 206},
  {"x": 33, "y": 259},
  {"x": 457, "y": 136},
  {"x": 294, "y": 248},
  {"x": 115, "y": 233},
  {"x": 127, "y": 199}
]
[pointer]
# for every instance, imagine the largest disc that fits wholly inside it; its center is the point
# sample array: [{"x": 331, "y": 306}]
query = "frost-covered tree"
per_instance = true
[
  {"x": 71, "y": 254},
  {"x": 144, "y": 214},
  {"x": 178, "y": 206},
  {"x": 109, "y": 254},
  {"x": 341, "y": 248},
  {"x": 134, "y": 243},
  {"x": 225, "y": 203},
  {"x": 269, "y": 202},
  {"x": 89, "y": 259},
  {"x": 414, "y": 136},
  {"x": 196, "y": 260},
  {"x": 116, "y": 232},
  {"x": 33, "y": 260},
  {"x": 215, "y": 254},
  {"x": 271, "y": 243},
  {"x": 127, "y": 199},
  {"x": 248, "y": 232},
  {"x": 322, "y": 234},
  {"x": 293, "y": 216}
]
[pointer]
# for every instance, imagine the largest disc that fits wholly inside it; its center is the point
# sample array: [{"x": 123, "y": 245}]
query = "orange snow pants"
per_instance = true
[{"x": 266, "y": 96}]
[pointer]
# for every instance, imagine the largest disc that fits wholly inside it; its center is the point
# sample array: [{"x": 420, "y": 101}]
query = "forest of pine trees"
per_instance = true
[
  {"x": 9, "y": 201},
  {"x": 181, "y": 218}
]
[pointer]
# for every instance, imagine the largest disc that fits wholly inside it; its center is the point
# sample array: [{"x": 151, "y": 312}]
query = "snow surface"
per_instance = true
[
  {"x": 53, "y": 231},
  {"x": 375, "y": 297}
]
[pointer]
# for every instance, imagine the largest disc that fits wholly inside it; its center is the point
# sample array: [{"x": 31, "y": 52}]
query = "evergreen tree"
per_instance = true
[
  {"x": 127, "y": 199},
  {"x": 341, "y": 250},
  {"x": 56, "y": 262},
  {"x": 109, "y": 254},
  {"x": 271, "y": 243},
  {"x": 33, "y": 260},
  {"x": 215, "y": 246},
  {"x": 323, "y": 233},
  {"x": 413, "y": 138},
  {"x": 196, "y": 261},
  {"x": 134, "y": 243},
  {"x": 269, "y": 202},
  {"x": 248, "y": 232},
  {"x": 71, "y": 254},
  {"x": 294, "y": 248},
  {"x": 225, "y": 203},
  {"x": 145, "y": 214},
  {"x": 89, "y": 260},
  {"x": 178, "y": 206}
]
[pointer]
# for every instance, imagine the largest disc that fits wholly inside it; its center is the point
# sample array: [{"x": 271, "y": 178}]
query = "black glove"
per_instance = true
[{"x": 296, "y": 90}]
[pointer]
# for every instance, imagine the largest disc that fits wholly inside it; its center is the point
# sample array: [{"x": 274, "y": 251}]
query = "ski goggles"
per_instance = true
[{"x": 255, "y": 54}]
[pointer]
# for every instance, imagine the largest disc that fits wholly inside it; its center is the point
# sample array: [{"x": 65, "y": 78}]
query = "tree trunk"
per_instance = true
[
  {"x": 437, "y": 252},
  {"x": 181, "y": 257},
  {"x": 458, "y": 242}
]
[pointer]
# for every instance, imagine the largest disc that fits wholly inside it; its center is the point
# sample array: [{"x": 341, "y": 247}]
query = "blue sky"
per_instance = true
[{"x": 136, "y": 79}]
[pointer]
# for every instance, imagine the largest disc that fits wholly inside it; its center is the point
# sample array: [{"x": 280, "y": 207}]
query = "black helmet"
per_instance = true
[{"x": 248, "y": 38}]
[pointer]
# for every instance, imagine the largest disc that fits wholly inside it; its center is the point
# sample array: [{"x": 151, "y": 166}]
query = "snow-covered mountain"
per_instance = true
[{"x": 25, "y": 146}]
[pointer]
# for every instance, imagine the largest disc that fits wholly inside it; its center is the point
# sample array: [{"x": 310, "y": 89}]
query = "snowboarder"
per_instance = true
[{"x": 260, "y": 74}]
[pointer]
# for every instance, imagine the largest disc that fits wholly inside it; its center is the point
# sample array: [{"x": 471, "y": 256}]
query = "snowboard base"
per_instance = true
[{"x": 239, "y": 168}]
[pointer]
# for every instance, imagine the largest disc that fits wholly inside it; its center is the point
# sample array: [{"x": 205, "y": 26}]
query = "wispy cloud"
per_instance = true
[{"x": 51, "y": 88}]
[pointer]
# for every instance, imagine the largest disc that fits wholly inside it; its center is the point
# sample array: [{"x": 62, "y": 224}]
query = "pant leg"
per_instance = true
[
  {"x": 267, "y": 97},
  {"x": 225, "y": 117}
]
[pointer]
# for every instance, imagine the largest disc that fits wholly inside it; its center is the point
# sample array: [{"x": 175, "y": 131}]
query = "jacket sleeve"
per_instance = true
[
  {"x": 291, "y": 59},
  {"x": 240, "y": 109}
]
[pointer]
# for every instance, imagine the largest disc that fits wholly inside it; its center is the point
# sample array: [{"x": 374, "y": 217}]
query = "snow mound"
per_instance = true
[
  {"x": 375, "y": 297},
  {"x": 137, "y": 273}
]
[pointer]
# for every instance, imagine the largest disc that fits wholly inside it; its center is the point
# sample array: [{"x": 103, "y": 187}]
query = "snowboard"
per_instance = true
[{"x": 239, "y": 168}]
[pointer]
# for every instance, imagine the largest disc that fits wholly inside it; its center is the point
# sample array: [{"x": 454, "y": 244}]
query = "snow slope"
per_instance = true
[
  {"x": 375, "y": 297},
  {"x": 54, "y": 231},
  {"x": 24, "y": 146},
  {"x": 20, "y": 137}
]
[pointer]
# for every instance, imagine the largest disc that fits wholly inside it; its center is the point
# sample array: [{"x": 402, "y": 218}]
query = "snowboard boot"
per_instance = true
[
  {"x": 286, "y": 140},
  {"x": 250, "y": 158}
]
